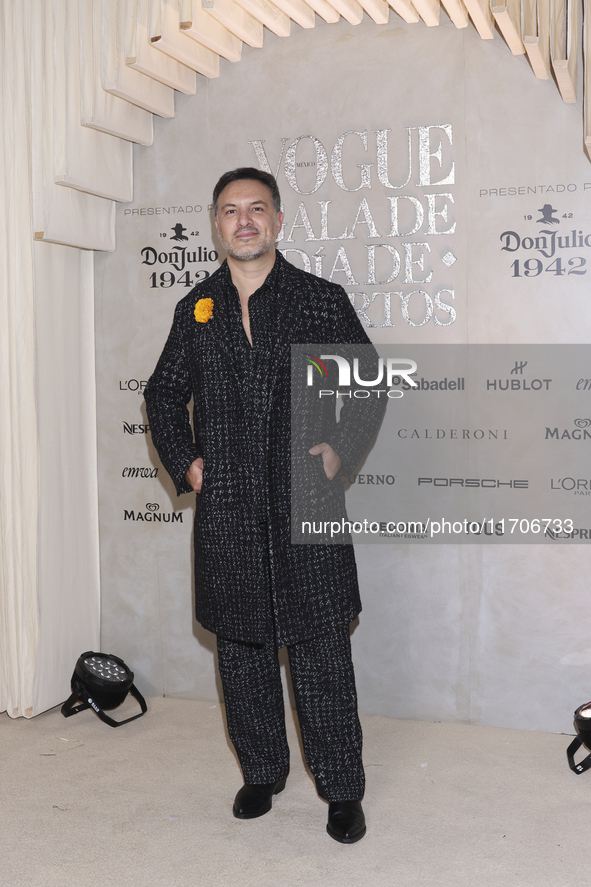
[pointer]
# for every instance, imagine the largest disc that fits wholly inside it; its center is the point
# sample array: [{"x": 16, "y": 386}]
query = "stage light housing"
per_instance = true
[
  {"x": 101, "y": 681},
  {"x": 583, "y": 727}
]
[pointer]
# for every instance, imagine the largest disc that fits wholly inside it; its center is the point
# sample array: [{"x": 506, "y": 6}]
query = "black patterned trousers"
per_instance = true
[{"x": 324, "y": 688}]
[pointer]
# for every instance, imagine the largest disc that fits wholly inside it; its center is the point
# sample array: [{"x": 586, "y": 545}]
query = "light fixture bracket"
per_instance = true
[
  {"x": 102, "y": 681},
  {"x": 583, "y": 727},
  {"x": 585, "y": 764}
]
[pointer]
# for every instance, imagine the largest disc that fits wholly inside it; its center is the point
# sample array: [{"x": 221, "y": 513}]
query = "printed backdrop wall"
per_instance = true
[{"x": 419, "y": 168}]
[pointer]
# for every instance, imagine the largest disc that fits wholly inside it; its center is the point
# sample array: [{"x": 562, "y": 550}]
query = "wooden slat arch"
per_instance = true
[{"x": 148, "y": 48}]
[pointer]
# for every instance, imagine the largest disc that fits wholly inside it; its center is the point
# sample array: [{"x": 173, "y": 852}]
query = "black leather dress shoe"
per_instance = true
[
  {"x": 256, "y": 800},
  {"x": 346, "y": 822}
]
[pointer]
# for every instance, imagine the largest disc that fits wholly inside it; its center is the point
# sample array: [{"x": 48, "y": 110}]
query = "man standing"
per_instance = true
[{"x": 229, "y": 350}]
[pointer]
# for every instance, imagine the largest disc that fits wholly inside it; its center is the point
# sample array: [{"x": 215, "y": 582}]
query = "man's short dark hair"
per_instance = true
[{"x": 247, "y": 172}]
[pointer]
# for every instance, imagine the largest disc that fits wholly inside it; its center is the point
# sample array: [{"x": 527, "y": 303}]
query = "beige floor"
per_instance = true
[{"x": 149, "y": 805}]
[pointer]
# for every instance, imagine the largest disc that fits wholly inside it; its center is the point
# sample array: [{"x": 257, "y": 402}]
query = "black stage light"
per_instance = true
[
  {"x": 583, "y": 728},
  {"x": 102, "y": 681}
]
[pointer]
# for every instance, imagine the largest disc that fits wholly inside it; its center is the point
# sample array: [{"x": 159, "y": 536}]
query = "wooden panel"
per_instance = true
[
  {"x": 536, "y": 36},
  {"x": 99, "y": 109},
  {"x": 83, "y": 158},
  {"x": 141, "y": 55},
  {"x": 121, "y": 80},
  {"x": 298, "y": 11},
  {"x": 325, "y": 10},
  {"x": 378, "y": 10},
  {"x": 482, "y": 18},
  {"x": 405, "y": 10},
  {"x": 60, "y": 215},
  {"x": 563, "y": 46},
  {"x": 507, "y": 15},
  {"x": 166, "y": 36},
  {"x": 457, "y": 12},
  {"x": 236, "y": 19},
  {"x": 351, "y": 10},
  {"x": 587, "y": 75},
  {"x": 194, "y": 22},
  {"x": 429, "y": 11},
  {"x": 268, "y": 15}
]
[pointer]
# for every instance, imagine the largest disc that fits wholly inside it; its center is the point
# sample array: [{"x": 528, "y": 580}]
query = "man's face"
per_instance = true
[{"x": 246, "y": 221}]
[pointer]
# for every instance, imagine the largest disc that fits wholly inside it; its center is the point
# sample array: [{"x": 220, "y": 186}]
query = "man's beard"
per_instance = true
[{"x": 248, "y": 253}]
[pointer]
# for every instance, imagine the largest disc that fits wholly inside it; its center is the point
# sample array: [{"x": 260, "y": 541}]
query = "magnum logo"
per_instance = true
[
  {"x": 580, "y": 432},
  {"x": 152, "y": 514}
]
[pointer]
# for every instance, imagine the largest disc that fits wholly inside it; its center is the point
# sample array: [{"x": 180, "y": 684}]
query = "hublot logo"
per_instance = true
[{"x": 518, "y": 384}]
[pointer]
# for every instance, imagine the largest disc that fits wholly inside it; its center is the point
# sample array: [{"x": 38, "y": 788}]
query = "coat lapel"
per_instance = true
[
  {"x": 288, "y": 320},
  {"x": 216, "y": 333}
]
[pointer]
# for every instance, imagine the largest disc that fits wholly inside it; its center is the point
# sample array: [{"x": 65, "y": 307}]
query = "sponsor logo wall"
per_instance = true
[
  {"x": 454, "y": 212},
  {"x": 456, "y": 411}
]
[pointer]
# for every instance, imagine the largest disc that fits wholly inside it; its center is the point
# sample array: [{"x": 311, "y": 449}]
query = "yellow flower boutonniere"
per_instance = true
[{"x": 203, "y": 310}]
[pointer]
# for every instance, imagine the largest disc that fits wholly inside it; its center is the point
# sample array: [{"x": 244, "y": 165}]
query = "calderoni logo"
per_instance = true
[
  {"x": 153, "y": 515},
  {"x": 140, "y": 472},
  {"x": 579, "y": 432},
  {"x": 452, "y": 433}
]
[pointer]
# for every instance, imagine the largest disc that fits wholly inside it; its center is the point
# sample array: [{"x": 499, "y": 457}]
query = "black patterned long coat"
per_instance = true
[{"x": 245, "y": 565}]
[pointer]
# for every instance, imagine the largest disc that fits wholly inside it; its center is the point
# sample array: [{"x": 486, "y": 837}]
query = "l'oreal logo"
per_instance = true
[{"x": 396, "y": 369}]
